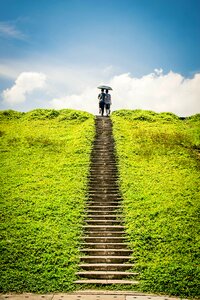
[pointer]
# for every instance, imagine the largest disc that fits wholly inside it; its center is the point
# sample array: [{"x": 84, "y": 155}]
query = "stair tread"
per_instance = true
[
  {"x": 107, "y": 272},
  {"x": 108, "y": 249},
  {"x": 101, "y": 206},
  {"x": 106, "y": 226},
  {"x": 103, "y": 220},
  {"x": 106, "y": 256},
  {"x": 99, "y": 244},
  {"x": 106, "y": 265},
  {"x": 109, "y": 281},
  {"x": 104, "y": 216}
]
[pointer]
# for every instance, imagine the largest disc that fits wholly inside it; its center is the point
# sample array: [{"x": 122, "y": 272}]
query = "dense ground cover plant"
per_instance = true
[
  {"x": 159, "y": 164},
  {"x": 45, "y": 157}
]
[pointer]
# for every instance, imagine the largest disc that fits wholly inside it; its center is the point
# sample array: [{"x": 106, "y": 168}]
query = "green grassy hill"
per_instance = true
[
  {"x": 159, "y": 164},
  {"x": 45, "y": 158}
]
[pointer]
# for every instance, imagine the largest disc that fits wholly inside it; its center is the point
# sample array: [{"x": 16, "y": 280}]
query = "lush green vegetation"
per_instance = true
[
  {"x": 45, "y": 156},
  {"x": 158, "y": 156}
]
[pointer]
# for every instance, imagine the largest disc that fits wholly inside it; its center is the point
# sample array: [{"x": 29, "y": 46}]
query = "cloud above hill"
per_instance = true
[
  {"x": 24, "y": 85},
  {"x": 156, "y": 91}
]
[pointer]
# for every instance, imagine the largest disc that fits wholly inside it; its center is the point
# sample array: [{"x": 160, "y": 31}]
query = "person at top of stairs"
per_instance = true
[
  {"x": 107, "y": 103},
  {"x": 101, "y": 98}
]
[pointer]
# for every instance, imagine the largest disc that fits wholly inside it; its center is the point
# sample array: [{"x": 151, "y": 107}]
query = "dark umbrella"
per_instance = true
[{"x": 105, "y": 87}]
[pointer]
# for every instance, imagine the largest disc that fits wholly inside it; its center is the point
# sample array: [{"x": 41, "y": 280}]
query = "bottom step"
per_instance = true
[
  {"x": 102, "y": 281},
  {"x": 106, "y": 275}
]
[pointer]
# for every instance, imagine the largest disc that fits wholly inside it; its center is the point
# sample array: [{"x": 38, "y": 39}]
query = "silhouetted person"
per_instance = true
[
  {"x": 108, "y": 103},
  {"x": 101, "y": 98}
]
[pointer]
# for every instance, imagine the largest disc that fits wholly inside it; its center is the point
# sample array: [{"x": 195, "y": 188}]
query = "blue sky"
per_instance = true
[{"x": 86, "y": 42}]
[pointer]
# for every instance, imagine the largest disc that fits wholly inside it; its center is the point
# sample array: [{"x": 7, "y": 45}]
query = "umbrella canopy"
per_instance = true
[{"x": 105, "y": 87}]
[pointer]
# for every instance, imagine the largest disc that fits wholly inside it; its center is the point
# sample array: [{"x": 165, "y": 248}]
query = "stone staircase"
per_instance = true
[{"x": 106, "y": 258}]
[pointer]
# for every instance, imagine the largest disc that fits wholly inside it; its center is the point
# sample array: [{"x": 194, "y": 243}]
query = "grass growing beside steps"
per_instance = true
[
  {"x": 45, "y": 156},
  {"x": 159, "y": 165}
]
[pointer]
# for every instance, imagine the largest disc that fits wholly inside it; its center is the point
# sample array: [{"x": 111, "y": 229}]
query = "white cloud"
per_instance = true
[
  {"x": 9, "y": 30},
  {"x": 86, "y": 101},
  {"x": 25, "y": 83},
  {"x": 158, "y": 92},
  {"x": 68, "y": 87},
  {"x": 170, "y": 92}
]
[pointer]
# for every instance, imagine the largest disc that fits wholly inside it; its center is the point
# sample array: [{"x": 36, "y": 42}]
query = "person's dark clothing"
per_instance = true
[
  {"x": 101, "y": 106},
  {"x": 107, "y": 106},
  {"x": 101, "y": 98}
]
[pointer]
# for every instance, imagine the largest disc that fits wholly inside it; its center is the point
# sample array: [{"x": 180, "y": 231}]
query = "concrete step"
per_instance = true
[
  {"x": 101, "y": 162},
  {"x": 104, "y": 129},
  {"x": 102, "y": 203},
  {"x": 103, "y": 154},
  {"x": 106, "y": 140},
  {"x": 99, "y": 196},
  {"x": 104, "y": 136},
  {"x": 104, "y": 208},
  {"x": 103, "y": 228},
  {"x": 103, "y": 177},
  {"x": 104, "y": 199},
  {"x": 103, "y": 217},
  {"x": 106, "y": 162},
  {"x": 96, "y": 199},
  {"x": 105, "y": 182},
  {"x": 103, "y": 194},
  {"x": 99, "y": 158},
  {"x": 106, "y": 267},
  {"x": 106, "y": 274},
  {"x": 103, "y": 185},
  {"x": 105, "y": 259},
  {"x": 104, "y": 245},
  {"x": 109, "y": 282},
  {"x": 106, "y": 178},
  {"x": 102, "y": 171},
  {"x": 103, "y": 222},
  {"x": 106, "y": 252},
  {"x": 103, "y": 189},
  {"x": 95, "y": 234},
  {"x": 105, "y": 239},
  {"x": 100, "y": 212},
  {"x": 104, "y": 148},
  {"x": 104, "y": 167}
]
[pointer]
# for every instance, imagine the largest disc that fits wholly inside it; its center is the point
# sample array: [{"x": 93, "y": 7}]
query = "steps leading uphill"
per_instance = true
[{"x": 106, "y": 258}]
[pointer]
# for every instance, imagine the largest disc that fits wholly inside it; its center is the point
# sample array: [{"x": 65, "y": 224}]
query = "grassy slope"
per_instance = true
[
  {"x": 44, "y": 166},
  {"x": 159, "y": 175}
]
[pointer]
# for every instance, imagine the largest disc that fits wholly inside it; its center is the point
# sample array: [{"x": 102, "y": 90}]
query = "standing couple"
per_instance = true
[{"x": 104, "y": 102}]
